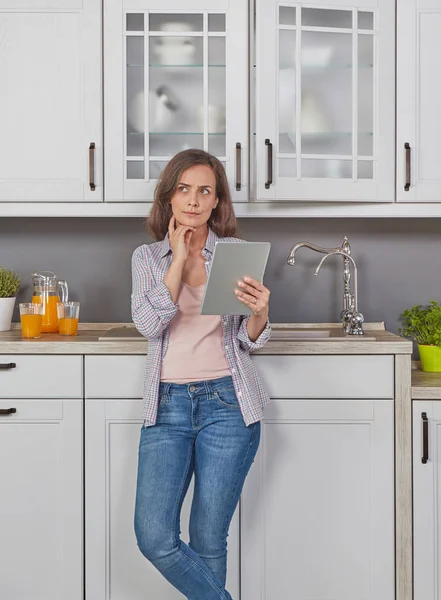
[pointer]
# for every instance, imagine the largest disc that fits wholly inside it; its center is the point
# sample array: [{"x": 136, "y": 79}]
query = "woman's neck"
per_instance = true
[{"x": 198, "y": 240}]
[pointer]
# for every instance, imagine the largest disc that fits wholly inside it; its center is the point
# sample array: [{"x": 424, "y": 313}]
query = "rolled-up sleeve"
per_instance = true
[
  {"x": 152, "y": 305},
  {"x": 244, "y": 338}
]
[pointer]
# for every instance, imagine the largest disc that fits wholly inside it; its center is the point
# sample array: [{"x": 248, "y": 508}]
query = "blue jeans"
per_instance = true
[{"x": 200, "y": 430}]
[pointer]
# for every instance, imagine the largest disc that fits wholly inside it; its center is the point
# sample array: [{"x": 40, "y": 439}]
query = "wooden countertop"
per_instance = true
[
  {"x": 425, "y": 386},
  {"x": 87, "y": 342}
]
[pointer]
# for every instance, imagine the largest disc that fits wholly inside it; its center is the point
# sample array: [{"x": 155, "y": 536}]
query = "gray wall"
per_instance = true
[{"x": 399, "y": 263}]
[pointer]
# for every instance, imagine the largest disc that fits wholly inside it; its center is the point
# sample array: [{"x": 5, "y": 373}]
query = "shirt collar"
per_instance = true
[{"x": 210, "y": 242}]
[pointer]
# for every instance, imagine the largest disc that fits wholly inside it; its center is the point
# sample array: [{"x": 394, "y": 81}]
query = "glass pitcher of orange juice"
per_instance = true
[{"x": 48, "y": 290}]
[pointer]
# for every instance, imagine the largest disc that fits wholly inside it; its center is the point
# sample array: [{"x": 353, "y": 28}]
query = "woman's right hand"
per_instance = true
[{"x": 179, "y": 239}]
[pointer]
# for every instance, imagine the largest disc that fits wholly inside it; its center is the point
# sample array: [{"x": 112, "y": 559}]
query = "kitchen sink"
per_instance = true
[
  {"x": 286, "y": 334},
  {"x": 297, "y": 334},
  {"x": 317, "y": 335},
  {"x": 122, "y": 334}
]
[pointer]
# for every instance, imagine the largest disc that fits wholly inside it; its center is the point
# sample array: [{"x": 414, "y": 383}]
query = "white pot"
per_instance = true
[{"x": 6, "y": 310}]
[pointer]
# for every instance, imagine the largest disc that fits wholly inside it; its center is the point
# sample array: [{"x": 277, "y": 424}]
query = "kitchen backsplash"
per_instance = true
[{"x": 399, "y": 263}]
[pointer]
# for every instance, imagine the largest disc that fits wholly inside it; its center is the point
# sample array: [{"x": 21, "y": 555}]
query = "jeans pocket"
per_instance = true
[
  {"x": 226, "y": 397},
  {"x": 163, "y": 398}
]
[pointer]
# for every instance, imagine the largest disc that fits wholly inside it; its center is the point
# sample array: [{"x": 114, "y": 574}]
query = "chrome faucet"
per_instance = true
[{"x": 352, "y": 319}]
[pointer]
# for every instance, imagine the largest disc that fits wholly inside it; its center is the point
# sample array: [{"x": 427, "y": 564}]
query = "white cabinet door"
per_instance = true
[
  {"x": 426, "y": 499},
  {"x": 418, "y": 100},
  {"x": 325, "y": 108},
  {"x": 50, "y": 108},
  {"x": 175, "y": 78},
  {"x": 115, "y": 566},
  {"x": 41, "y": 502},
  {"x": 317, "y": 518}
]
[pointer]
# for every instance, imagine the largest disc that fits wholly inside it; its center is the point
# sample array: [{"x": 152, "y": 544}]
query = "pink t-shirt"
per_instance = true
[{"x": 196, "y": 346}]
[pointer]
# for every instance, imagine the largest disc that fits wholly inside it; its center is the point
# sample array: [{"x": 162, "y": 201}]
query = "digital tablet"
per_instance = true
[{"x": 232, "y": 261}]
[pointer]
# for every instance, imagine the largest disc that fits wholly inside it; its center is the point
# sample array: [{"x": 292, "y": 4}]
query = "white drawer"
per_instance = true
[
  {"x": 331, "y": 376},
  {"x": 116, "y": 376},
  {"x": 41, "y": 376},
  {"x": 31, "y": 410}
]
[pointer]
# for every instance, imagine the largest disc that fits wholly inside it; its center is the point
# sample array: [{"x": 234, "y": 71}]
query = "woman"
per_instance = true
[{"x": 203, "y": 397}]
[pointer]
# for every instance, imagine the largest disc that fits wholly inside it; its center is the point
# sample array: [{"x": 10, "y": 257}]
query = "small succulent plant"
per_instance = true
[{"x": 9, "y": 283}]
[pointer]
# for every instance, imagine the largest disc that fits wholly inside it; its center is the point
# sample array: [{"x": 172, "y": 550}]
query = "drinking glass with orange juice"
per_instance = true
[
  {"x": 68, "y": 315},
  {"x": 31, "y": 317},
  {"x": 47, "y": 291}
]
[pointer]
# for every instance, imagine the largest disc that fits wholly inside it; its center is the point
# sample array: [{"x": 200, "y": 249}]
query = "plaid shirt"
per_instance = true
[{"x": 152, "y": 311}]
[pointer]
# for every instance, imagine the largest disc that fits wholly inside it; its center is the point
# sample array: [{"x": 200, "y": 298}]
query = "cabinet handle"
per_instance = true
[
  {"x": 7, "y": 411},
  {"x": 408, "y": 151},
  {"x": 92, "y": 166},
  {"x": 425, "y": 456},
  {"x": 7, "y": 366},
  {"x": 238, "y": 166},
  {"x": 269, "y": 145}
]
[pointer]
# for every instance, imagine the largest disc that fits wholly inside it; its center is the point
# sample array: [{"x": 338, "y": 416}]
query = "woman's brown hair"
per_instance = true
[{"x": 222, "y": 220}]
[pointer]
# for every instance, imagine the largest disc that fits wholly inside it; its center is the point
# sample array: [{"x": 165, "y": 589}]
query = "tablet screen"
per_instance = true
[{"x": 232, "y": 261}]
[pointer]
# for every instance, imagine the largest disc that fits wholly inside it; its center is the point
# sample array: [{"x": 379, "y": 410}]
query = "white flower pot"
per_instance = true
[{"x": 6, "y": 310}]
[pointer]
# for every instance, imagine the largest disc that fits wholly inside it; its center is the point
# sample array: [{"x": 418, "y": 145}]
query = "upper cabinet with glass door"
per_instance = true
[
  {"x": 174, "y": 79},
  {"x": 325, "y": 101}
]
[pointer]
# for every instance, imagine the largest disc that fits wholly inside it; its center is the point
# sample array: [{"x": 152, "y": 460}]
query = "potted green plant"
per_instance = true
[
  {"x": 423, "y": 324},
  {"x": 9, "y": 286}
]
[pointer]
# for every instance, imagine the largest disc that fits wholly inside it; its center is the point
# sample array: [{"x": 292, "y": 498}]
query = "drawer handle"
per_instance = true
[
  {"x": 92, "y": 166},
  {"x": 407, "y": 151},
  {"x": 425, "y": 456},
  {"x": 269, "y": 146},
  {"x": 7, "y": 411},
  {"x": 7, "y": 366},
  {"x": 238, "y": 166}
]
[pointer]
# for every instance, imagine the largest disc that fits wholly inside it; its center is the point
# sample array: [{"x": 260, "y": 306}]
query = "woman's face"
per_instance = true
[{"x": 195, "y": 196}]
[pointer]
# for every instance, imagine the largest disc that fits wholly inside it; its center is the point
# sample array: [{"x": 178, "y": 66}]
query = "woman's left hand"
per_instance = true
[{"x": 255, "y": 295}]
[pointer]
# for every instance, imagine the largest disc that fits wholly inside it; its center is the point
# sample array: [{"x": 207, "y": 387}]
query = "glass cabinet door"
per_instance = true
[
  {"x": 332, "y": 134},
  {"x": 180, "y": 82}
]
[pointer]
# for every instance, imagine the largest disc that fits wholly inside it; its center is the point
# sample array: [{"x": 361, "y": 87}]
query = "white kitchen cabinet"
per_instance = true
[
  {"x": 318, "y": 502},
  {"x": 51, "y": 105},
  {"x": 426, "y": 499},
  {"x": 317, "y": 512},
  {"x": 418, "y": 100},
  {"x": 321, "y": 105},
  {"x": 325, "y": 100},
  {"x": 175, "y": 78},
  {"x": 41, "y": 499},
  {"x": 114, "y": 564}
]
